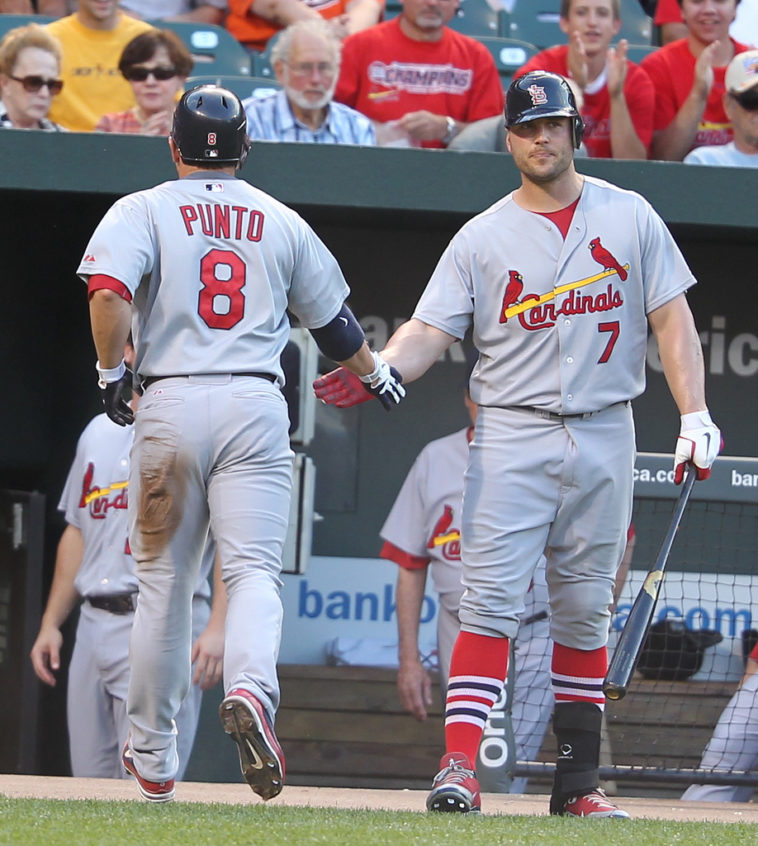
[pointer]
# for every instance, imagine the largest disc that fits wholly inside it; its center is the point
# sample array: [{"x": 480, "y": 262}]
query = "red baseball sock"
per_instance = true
[
  {"x": 578, "y": 674},
  {"x": 477, "y": 675}
]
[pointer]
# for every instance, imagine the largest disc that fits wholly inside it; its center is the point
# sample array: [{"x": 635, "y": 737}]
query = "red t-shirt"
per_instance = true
[
  {"x": 385, "y": 75},
  {"x": 667, "y": 11},
  {"x": 672, "y": 71},
  {"x": 596, "y": 111}
]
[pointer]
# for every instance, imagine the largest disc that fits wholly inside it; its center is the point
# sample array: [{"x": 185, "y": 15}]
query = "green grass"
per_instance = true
[{"x": 28, "y": 822}]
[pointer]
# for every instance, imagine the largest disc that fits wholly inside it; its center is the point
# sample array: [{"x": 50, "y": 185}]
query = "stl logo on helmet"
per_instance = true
[
  {"x": 211, "y": 139},
  {"x": 537, "y": 93}
]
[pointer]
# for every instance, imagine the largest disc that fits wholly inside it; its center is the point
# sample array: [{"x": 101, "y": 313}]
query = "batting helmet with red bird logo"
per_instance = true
[{"x": 541, "y": 94}]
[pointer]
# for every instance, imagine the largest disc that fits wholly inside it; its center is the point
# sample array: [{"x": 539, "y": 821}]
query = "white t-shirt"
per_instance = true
[{"x": 722, "y": 154}]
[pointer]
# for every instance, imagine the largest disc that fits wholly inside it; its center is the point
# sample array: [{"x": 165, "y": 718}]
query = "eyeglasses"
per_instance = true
[
  {"x": 748, "y": 99},
  {"x": 32, "y": 84},
  {"x": 307, "y": 68},
  {"x": 140, "y": 74}
]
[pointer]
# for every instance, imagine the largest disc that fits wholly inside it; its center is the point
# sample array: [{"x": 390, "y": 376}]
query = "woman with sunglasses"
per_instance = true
[
  {"x": 30, "y": 63},
  {"x": 156, "y": 64}
]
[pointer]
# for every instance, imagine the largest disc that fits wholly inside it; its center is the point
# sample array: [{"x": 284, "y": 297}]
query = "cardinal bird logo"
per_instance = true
[
  {"x": 512, "y": 292},
  {"x": 606, "y": 259},
  {"x": 443, "y": 524}
]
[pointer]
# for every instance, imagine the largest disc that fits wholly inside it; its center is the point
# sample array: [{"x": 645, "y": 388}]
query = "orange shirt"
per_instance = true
[{"x": 254, "y": 31}]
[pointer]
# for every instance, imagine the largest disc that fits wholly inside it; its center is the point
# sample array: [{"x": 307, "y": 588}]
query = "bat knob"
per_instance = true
[{"x": 613, "y": 691}]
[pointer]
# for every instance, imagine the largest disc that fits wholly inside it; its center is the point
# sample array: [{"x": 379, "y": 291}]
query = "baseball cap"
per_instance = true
[{"x": 742, "y": 72}]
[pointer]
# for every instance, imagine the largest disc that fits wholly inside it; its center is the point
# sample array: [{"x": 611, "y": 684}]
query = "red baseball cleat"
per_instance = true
[
  {"x": 154, "y": 791},
  {"x": 455, "y": 787},
  {"x": 261, "y": 758},
  {"x": 594, "y": 804}
]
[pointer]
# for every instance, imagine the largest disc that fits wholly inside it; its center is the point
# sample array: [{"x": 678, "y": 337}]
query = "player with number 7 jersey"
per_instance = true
[{"x": 204, "y": 269}]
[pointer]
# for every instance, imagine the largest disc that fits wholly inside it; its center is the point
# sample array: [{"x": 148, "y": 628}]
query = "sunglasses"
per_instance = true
[
  {"x": 32, "y": 84},
  {"x": 138, "y": 74},
  {"x": 748, "y": 100}
]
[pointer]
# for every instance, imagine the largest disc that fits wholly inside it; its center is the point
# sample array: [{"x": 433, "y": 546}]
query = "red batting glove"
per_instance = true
[{"x": 342, "y": 388}]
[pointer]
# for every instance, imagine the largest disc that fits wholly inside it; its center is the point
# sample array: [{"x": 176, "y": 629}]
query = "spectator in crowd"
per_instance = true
[
  {"x": 618, "y": 97},
  {"x": 741, "y": 107},
  {"x": 422, "y": 534},
  {"x": 418, "y": 80},
  {"x": 733, "y": 747},
  {"x": 94, "y": 565},
  {"x": 156, "y": 64},
  {"x": 668, "y": 16},
  {"x": 306, "y": 61},
  {"x": 30, "y": 64},
  {"x": 92, "y": 39},
  {"x": 688, "y": 77},
  {"x": 254, "y": 22}
]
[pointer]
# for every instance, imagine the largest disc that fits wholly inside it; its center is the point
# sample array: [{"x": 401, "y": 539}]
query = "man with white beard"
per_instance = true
[{"x": 306, "y": 61}]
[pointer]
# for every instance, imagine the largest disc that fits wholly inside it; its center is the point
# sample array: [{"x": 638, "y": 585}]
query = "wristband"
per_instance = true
[
  {"x": 370, "y": 378},
  {"x": 695, "y": 419},
  {"x": 108, "y": 375}
]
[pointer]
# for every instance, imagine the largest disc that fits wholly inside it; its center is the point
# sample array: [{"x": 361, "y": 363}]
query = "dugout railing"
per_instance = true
[{"x": 658, "y": 732}]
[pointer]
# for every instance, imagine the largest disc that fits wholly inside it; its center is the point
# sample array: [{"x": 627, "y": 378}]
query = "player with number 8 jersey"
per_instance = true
[{"x": 204, "y": 269}]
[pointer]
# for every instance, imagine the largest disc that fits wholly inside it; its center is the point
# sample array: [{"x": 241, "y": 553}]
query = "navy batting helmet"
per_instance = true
[
  {"x": 540, "y": 94},
  {"x": 210, "y": 126}
]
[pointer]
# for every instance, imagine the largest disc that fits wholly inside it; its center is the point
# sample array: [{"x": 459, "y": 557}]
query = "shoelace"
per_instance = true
[{"x": 455, "y": 772}]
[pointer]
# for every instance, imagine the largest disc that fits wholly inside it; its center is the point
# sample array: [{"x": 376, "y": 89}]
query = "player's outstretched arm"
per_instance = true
[
  {"x": 361, "y": 370},
  {"x": 63, "y": 597},
  {"x": 681, "y": 354},
  {"x": 411, "y": 351}
]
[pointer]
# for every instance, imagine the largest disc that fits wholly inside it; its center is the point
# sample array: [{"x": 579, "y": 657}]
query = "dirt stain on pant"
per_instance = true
[{"x": 162, "y": 493}]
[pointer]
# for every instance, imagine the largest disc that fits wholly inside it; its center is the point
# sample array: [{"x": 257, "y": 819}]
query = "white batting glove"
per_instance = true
[
  {"x": 699, "y": 443},
  {"x": 384, "y": 382}
]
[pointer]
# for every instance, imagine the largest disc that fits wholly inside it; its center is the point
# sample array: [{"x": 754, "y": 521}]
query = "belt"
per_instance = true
[
  {"x": 551, "y": 415},
  {"x": 148, "y": 380},
  {"x": 116, "y": 603}
]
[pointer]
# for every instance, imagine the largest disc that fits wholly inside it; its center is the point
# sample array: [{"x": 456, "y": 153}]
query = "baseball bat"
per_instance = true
[{"x": 638, "y": 622}]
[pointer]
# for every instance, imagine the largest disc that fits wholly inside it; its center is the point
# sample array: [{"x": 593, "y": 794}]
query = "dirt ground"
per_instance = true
[{"x": 322, "y": 797}]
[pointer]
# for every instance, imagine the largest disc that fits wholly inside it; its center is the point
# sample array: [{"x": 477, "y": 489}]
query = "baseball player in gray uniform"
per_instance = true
[
  {"x": 560, "y": 280},
  {"x": 733, "y": 746},
  {"x": 422, "y": 534},
  {"x": 94, "y": 563},
  {"x": 204, "y": 268}
]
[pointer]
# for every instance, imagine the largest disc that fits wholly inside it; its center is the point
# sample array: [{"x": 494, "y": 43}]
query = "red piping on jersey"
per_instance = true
[
  {"x": 101, "y": 281},
  {"x": 402, "y": 558}
]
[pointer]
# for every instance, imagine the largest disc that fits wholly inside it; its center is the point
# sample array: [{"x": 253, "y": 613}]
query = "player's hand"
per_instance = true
[
  {"x": 699, "y": 443},
  {"x": 342, "y": 388},
  {"x": 46, "y": 654},
  {"x": 384, "y": 382},
  {"x": 208, "y": 659},
  {"x": 414, "y": 687},
  {"x": 116, "y": 395}
]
